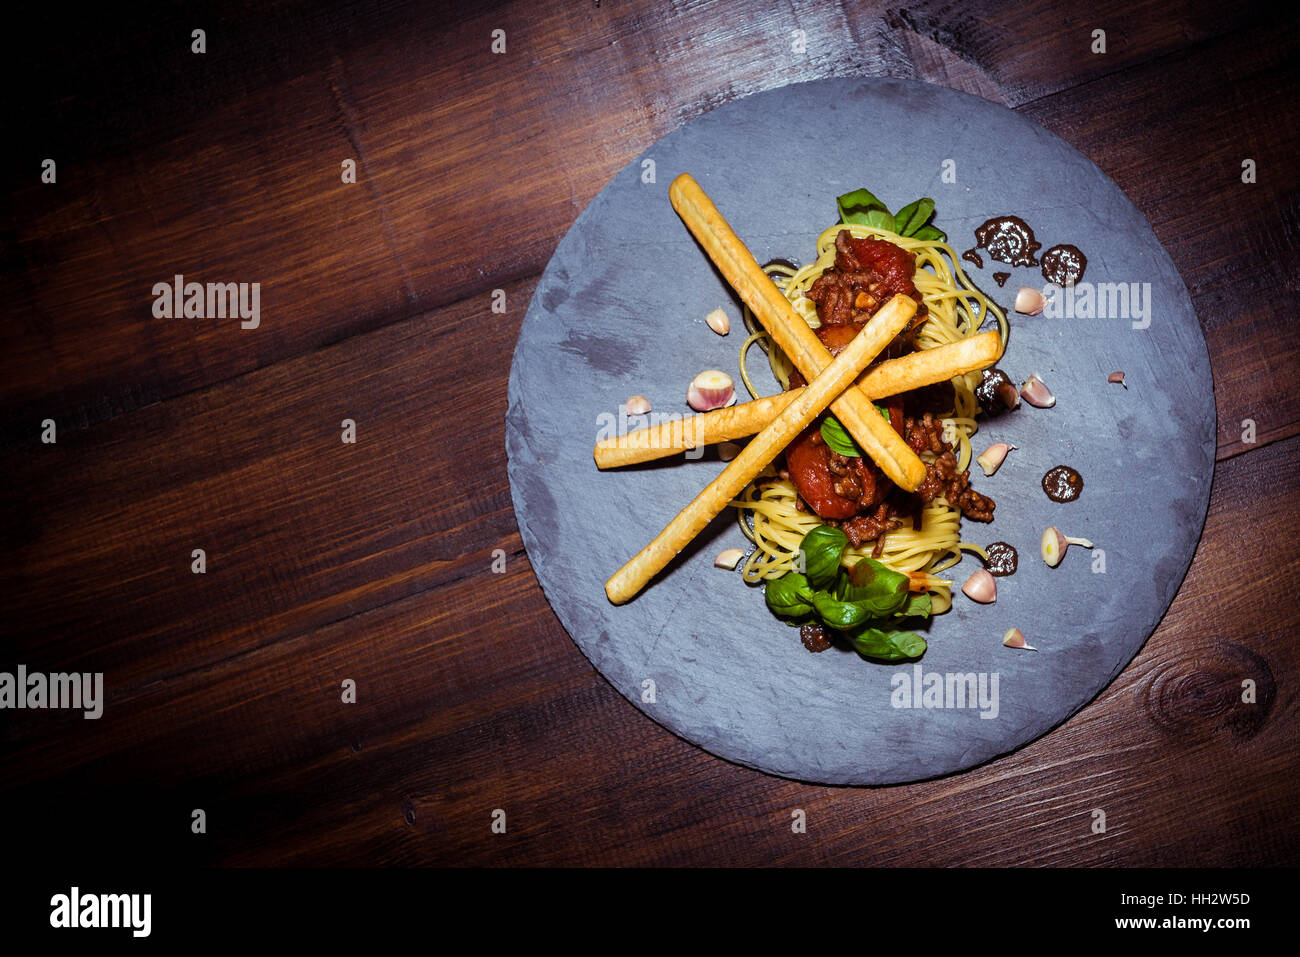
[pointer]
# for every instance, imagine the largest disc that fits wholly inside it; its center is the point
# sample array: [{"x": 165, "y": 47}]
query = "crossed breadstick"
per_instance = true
[
  {"x": 830, "y": 383},
  {"x": 891, "y": 377}
]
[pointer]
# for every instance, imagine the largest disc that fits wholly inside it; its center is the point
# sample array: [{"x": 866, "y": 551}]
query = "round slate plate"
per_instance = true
[{"x": 619, "y": 311}]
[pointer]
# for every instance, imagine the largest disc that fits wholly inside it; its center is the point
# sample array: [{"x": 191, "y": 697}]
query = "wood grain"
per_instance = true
[
  {"x": 374, "y": 561},
  {"x": 443, "y": 734},
  {"x": 417, "y": 231}
]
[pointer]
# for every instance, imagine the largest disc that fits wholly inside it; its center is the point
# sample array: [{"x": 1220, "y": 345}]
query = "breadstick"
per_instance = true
[
  {"x": 691, "y": 520},
  {"x": 874, "y": 435},
  {"x": 678, "y": 435},
  {"x": 928, "y": 366},
  {"x": 891, "y": 377}
]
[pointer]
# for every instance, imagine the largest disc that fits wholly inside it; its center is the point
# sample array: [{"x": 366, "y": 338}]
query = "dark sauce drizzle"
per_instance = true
[
  {"x": 1009, "y": 240},
  {"x": 1064, "y": 265},
  {"x": 996, "y": 392},
  {"x": 1003, "y": 559},
  {"x": 1062, "y": 484}
]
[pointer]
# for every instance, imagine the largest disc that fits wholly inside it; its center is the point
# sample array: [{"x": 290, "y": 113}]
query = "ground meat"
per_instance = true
[
  {"x": 893, "y": 265},
  {"x": 867, "y": 273},
  {"x": 942, "y": 480},
  {"x": 833, "y": 485},
  {"x": 924, "y": 434},
  {"x": 834, "y": 298},
  {"x": 864, "y": 528},
  {"x": 845, "y": 483},
  {"x": 974, "y": 505},
  {"x": 850, "y": 492}
]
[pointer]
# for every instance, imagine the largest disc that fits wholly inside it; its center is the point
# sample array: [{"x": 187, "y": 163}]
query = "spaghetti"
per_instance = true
[{"x": 766, "y": 509}]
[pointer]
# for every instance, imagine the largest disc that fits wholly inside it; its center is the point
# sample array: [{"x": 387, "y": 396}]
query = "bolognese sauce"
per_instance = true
[{"x": 850, "y": 491}]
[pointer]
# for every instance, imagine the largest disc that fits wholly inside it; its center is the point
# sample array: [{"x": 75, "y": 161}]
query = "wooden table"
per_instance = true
[{"x": 371, "y": 562}]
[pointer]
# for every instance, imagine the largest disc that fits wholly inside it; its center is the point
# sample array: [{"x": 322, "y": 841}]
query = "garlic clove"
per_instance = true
[
  {"x": 729, "y": 558},
  {"x": 1054, "y": 544},
  {"x": 711, "y": 389},
  {"x": 728, "y": 451},
  {"x": 1036, "y": 393},
  {"x": 981, "y": 587},
  {"x": 638, "y": 405},
  {"x": 990, "y": 459},
  {"x": 1117, "y": 377},
  {"x": 1029, "y": 301},
  {"x": 1015, "y": 638},
  {"x": 718, "y": 322}
]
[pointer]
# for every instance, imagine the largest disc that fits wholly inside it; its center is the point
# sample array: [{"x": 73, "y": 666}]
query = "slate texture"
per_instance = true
[{"x": 620, "y": 311}]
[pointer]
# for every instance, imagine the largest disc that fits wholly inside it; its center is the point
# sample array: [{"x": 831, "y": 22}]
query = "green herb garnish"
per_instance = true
[
  {"x": 789, "y": 595},
  {"x": 863, "y": 208},
  {"x": 863, "y": 602},
  {"x": 837, "y": 437},
  {"x": 887, "y": 645},
  {"x": 821, "y": 549}
]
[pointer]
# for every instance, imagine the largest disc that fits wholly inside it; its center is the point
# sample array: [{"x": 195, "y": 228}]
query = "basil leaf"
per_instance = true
[
  {"x": 871, "y": 605},
  {"x": 863, "y": 207},
  {"x": 788, "y": 595},
  {"x": 855, "y": 207},
  {"x": 880, "y": 219},
  {"x": 838, "y": 438},
  {"x": 836, "y": 613},
  {"x": 822, "y": 549},
  {"x": 883, "y": 411},
  {"x": 887, "y": 645},
  {"x": 913, "y": 216},
  {"x": 917, "y": 606},
  {"x": 869, "y": 573},
  {"x": 877, "y": 588}
]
